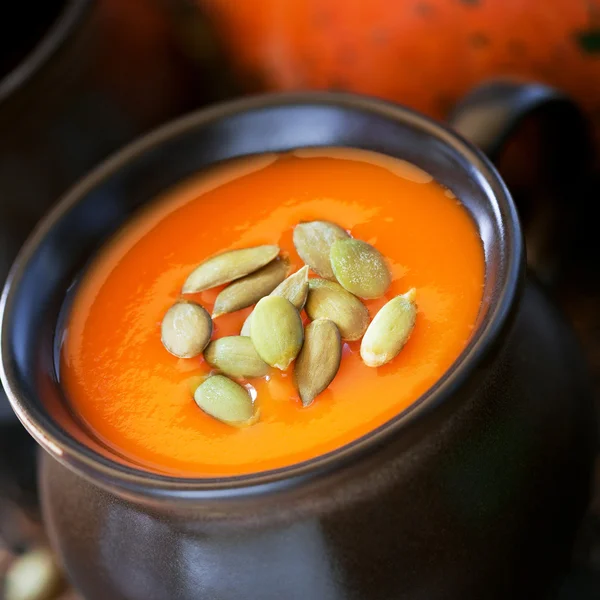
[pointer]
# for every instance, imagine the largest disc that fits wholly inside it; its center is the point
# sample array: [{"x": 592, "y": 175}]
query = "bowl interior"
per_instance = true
[{"x": 57, "y": 253}]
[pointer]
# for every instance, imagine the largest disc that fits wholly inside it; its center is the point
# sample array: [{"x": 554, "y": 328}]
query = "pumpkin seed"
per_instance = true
[
  {"x": 225, "y": 400},
  {"x": 246, "y": 326},
  {"x": 277, "y": 331},
  {"x": 313, "y": 242},
  {"x": 33, "y": 576},
  {"x": 329, "y": 300},
  {"x": 186, "y": 329},
  {"x": 194, "y": 381},
  {"x": 228, "y": 266},
  {"x": 250, "y": 289},
  {"x": 319, "y": 360},
  {"x": 360, "y": 268},
  {"x": 294, "y": 288},
  {"x": 389, "y": 331},
  {"x": 235, "y": 356}
]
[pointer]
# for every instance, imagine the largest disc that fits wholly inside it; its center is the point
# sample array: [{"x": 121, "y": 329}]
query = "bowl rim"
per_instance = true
[
  {"x": 70, "y": 15},
  {"x": 142, "y": 483}
]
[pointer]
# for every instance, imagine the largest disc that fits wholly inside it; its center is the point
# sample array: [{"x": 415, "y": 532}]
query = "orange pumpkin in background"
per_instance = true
[{"x": 423, "y": 53}]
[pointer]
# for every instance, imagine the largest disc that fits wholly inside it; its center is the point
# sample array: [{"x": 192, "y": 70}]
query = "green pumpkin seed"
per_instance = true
[
  {"x": 360, "y": 268},
  {"x": 319, "y": 360},
  {"x": 329, "y": 300},
  {"x": 277, "y": 331},
  {"x": 235, "y": 356},
  {"x": 389, "y": 331},
  {"x": 194, "y": 381},
  {"x": 225, "y": 400},
  {"x": 294, "y": 288},
  {"x": 186, "y": 329},
  {"x": 228, "y": 266},
  {"x": 313, "y": 242},
  {"x": 246, "y": 326},
  {"x": 252, "y": 288}
]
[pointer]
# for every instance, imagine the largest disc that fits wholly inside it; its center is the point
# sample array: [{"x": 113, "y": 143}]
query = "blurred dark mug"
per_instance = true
[{"x": 78, "y": 79}]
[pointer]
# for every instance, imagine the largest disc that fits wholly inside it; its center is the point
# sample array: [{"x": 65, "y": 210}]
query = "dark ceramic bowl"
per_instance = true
[{"x": 474, "y": 491}]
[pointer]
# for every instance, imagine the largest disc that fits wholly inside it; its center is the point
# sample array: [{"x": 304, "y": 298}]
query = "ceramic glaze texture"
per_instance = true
[
  {"x": 475, "y": 492},
  {"x": 460, "y": 509}
]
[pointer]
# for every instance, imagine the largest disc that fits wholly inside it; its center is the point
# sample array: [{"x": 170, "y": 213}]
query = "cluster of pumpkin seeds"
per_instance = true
[{"x": 273, "y": 335}]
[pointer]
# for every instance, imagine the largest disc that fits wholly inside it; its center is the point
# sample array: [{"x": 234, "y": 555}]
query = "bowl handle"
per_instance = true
[{"x": 541, "y": 143}]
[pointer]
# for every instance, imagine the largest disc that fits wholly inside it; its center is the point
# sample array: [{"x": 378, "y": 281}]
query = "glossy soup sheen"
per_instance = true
[{"x": 136, "y": 398}]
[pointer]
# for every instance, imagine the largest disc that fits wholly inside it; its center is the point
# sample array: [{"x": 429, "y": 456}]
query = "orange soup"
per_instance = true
[{"x": 137, "y": 399}]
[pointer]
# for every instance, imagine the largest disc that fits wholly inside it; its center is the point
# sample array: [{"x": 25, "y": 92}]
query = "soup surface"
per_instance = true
[{"x": 136, "y": 398}]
